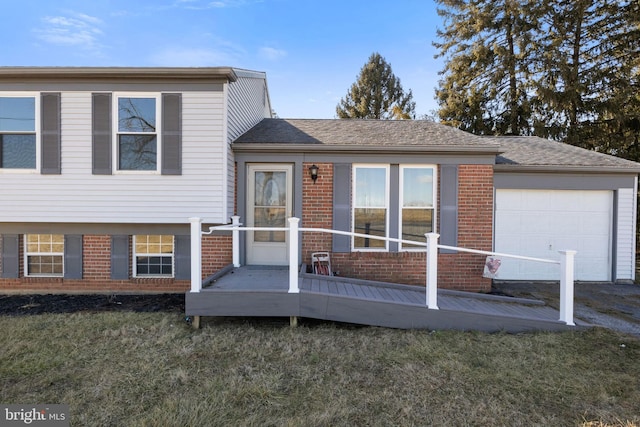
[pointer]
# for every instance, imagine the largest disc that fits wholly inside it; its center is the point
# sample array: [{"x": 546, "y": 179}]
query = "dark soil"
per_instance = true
[{"x": 20, "y": 305}]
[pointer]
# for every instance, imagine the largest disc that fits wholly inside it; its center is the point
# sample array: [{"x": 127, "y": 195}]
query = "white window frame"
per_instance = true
[
  {"x": 354, "y": 206},
  {"x": 28, "y": 253},
  {"x": 115, "y": 121},
  {"x": 135, "y": 255},
  {"x": 36, "y": 96},
  {"x": 401, "y": 206}
]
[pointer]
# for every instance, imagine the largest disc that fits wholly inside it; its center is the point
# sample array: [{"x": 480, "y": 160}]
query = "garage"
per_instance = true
[{"x": 539, "y": 223}]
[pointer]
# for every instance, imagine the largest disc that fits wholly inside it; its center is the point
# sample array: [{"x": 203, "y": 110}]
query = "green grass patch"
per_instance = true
[{"x": 149, "y": 369}]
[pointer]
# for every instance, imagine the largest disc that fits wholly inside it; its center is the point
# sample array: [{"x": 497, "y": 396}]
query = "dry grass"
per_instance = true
[{"x": 149, "y": 369}]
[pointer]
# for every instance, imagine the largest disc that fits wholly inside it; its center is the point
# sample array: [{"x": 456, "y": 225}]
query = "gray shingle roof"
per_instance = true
[
  {"x": 512, "y": 152},
  {"x": 532, "y": 151},
  {"x": 365, "y": 133}
]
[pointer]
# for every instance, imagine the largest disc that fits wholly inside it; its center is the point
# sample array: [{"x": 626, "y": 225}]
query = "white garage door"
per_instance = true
[{"x": 539, "y": 223}]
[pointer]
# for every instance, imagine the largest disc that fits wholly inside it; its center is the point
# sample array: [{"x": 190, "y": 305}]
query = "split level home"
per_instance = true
[{"x": 101, "y": 170}]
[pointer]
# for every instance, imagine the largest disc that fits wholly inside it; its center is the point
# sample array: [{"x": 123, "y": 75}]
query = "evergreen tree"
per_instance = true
[
  {"x": 587, "y": 64},
  {"x": 486, "y": 46},
  {"x": 377, "y": 94},
  {"x": 561, "y": 69}
]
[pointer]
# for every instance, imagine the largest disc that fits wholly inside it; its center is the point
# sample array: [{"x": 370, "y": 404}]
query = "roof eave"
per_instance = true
[
  {"x": 566, "y": 169},
  {"x": 346, "y": 149},
  {"x": 117, "y": 73}
]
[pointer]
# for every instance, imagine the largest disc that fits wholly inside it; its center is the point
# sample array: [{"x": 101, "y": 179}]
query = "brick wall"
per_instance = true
[
  {"x": 216, "y": 251},
  {"x": 455, "y": 271}
]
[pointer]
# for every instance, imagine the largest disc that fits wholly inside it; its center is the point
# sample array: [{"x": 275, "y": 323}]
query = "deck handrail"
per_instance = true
[{"x": 566, "y": 261}]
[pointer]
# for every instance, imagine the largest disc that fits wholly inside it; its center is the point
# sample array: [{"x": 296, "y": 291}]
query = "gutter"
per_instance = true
[
  {"x": 23, "y": 74},
  {"x": 566, "y": 169}
]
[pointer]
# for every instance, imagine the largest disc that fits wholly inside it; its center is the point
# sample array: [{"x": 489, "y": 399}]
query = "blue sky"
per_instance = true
[{"x": 311, "y": 50}]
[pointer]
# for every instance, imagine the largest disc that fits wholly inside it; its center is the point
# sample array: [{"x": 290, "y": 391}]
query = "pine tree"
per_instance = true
[
  {"x": 377, "y": 94},
  {"x": 586, "y": 65},
  {"x": 486, "y": 46}
]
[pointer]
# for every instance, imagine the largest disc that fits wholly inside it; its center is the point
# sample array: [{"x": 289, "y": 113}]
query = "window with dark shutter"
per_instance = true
[
  {"x": 73, "y": 256},
  {"x": 342, "y": 206},
  {"x": 183, "y": 257},
  {"x": 10, "y": 256},
  {"x": 119, "y": 257},
  {"x": 101, "y": 133},
  {"x": 448, "y": 206},
  {"x": 171, "y": 134},
  {"x": 50, "y": 125}
]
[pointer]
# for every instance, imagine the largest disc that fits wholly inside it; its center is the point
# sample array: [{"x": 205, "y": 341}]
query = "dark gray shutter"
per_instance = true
[
  {"x": 448, "y": 206},
  {"x": 10, "y": 256},
  {"x": 182, "y": 257},
  {"x": 171, "y": 134},
  {"x": 50, "y": 133},
  {"x": 101, "y": 133},
  {"x": 73, "y": 256},
  {"x": 120, "y": 257},
  {"x": 341, "y": 206}
]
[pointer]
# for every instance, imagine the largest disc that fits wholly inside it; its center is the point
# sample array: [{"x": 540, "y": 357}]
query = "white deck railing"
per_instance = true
[{"x": 566, "y": 261}]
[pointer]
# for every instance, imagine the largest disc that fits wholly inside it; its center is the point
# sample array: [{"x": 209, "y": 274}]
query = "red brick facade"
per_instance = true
[
  {"x": 455, "y": 271},
  {"x": 96, "y": 272}
]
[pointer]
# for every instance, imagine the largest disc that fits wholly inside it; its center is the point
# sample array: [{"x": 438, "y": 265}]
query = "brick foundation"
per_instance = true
[{"x": 96, "y": 272}]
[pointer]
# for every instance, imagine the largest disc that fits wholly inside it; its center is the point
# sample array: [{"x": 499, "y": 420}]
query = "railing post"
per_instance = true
[
  {"x": 566, "y": 286},
  {"x": 293, "y": 255},
  {"x": 196, "y": 254},
  {"x": 235, "y": 237},
  {"x": 432, "y": 270}
]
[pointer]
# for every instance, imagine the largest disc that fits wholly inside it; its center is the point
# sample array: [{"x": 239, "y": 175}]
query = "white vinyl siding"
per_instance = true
[
  {"x": 626, "y": 231},
  {"x": 248, "y": 104},
  {"x": 76, "y": 195}
]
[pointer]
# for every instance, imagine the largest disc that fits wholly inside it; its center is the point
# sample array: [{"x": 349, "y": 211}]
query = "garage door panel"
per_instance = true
[{"x": 539, "y": 223}]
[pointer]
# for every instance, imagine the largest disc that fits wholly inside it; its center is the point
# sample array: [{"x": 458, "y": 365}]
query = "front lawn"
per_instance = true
[{"x": 151, "y": 369}]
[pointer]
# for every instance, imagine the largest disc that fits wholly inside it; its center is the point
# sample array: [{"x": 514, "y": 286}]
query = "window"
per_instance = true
[
  {"x": 417, "y": 208},
  {"x": 153, "y": 256},
  {"x": 137, "y": 133},
  {"x": 18, "y": 132},
  {"x": 44, "y": 255},
  {"x": 370, "y": 206}
]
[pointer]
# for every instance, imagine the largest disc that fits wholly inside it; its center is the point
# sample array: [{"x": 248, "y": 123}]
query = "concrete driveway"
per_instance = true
[{"x": 603, "y": 304}]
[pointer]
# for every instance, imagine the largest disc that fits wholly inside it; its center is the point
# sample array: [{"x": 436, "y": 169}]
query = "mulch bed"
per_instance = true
[{"x": 20, "y": 305}]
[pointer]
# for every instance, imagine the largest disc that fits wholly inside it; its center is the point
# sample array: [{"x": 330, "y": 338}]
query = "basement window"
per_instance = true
[
  {"x": 44, "y": 254},
  {"x": 153, "y": 255}
]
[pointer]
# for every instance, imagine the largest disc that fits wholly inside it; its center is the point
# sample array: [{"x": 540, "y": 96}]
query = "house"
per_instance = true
[{"x": 103, "y": 167}]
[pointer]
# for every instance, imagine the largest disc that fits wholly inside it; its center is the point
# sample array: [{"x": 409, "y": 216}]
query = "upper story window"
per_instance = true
[
  {"x": 417, "y": 203},
  {"x": 18, "y": 137},
  {"x": 370, "y": 206},
  {"x": 137, "y": 136}
]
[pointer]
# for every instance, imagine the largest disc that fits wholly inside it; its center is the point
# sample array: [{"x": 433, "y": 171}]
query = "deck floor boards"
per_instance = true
[{"x": 247, "y": 291}]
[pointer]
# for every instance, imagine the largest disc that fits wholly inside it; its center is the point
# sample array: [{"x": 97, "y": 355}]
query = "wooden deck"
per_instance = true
[{"x": 263, "y": 292}]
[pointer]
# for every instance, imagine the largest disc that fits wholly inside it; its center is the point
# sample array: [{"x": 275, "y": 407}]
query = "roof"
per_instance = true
[
  {"x": 533, "y": 153},
  {"x": 513, "y": 153},
  {"x": 116, "y": 73},
  {"x": 360, "y": 135}
]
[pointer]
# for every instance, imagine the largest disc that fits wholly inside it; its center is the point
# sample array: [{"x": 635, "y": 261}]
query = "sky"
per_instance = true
[{"x": 311, "y": 50}]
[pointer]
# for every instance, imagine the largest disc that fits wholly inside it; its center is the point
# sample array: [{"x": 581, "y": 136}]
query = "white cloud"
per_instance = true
[
  {"x": 272, "y": 54},
  {"x": 77, "y": 29}
]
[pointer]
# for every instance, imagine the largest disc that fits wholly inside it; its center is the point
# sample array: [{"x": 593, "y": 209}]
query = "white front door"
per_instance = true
[{"x": 269, "y": 204}]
